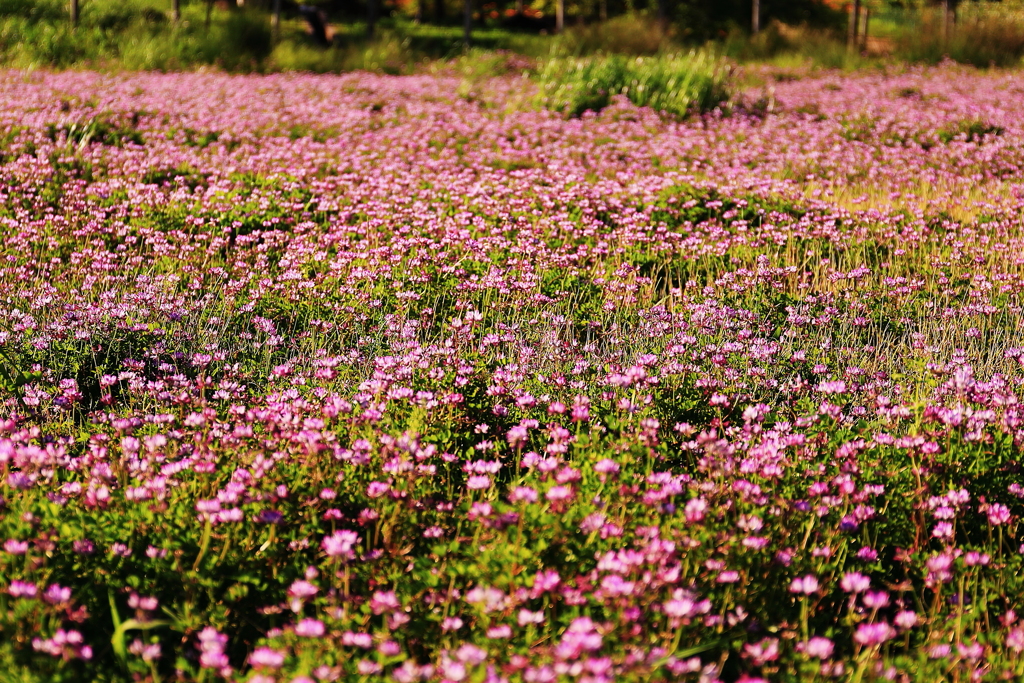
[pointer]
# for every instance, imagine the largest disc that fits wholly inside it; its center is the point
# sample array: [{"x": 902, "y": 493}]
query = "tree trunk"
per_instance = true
[
  {"x": 602, "y": 9},
  {"x": 948, "y": 19},
  {"x": 467, "y": 22},
  {"x": 209, "y": 12},
  {"x": 371, "y": 17},
  {"x": 559, "y": 16},
  {"x": 275, "y": 22},
  {"x": 176, "y": 10},
  {"x": 864, "y": 28},
  {"x": 755, "y": 17},
  {"x": 854, "y": 19},
  {"x": 438, "y": 11},
  {"x": 663, "y": 13},
  {"x": 74, "y": 12}
]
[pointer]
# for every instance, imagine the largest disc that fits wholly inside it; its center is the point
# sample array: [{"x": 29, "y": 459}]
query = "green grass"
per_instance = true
[
  {"x": 139, "y": 34},
  {"x": 675, "y": 84},
  {"x": 135, "y": 36}
]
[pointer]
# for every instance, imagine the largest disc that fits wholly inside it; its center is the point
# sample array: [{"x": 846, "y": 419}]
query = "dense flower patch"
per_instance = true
[{"x": 337, "y": 378}]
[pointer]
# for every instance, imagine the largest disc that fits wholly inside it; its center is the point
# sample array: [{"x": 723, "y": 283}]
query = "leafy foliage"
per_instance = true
[{"x": 675, "y": 84}]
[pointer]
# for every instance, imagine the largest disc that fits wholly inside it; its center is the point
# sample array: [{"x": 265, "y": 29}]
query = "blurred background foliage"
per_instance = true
[{"x": 408, "y": 35}]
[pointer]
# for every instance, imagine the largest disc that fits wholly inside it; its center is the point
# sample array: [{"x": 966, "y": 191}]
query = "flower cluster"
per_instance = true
[{"x": 316, "y": 378}]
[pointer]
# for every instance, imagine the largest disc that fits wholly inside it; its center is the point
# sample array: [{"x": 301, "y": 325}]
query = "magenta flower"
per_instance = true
[
  {"x": 266, "y": 657},
  {"x": 340, "y": 544},
  {"x": 384, "y": 601},
  {"x": 871, "y": 635},
  {"x": 478, "y": 482},
  {"x": 22, "y": 589},
  {"x": 818, "y": 648},
  {"x": 57, "y": 595},
  {"x": 875, "y": 599},
  {"x": 310, "y": 628},
  {"x": 559, "y": 493},
  {"x": 15, "y": 547},
  {"x": 998, "y": 514},
  {"x": 302, "y": 589},
  {"x": 854, "y": 582},
  {"x": 527, "y": 617},
  {"x": 694, "y": 510},
  {"x": 376, "y": 489},
  {"x": 905, "y": 619},
  {"x": 805, "y": 585},
  {"x": 728, "y": 576},
  {"x": 451, "y": 624},
  {"x": 1015, "y": 639},
  {"x": 211, "y": 648},
  {"x": 762, "y": 652}
]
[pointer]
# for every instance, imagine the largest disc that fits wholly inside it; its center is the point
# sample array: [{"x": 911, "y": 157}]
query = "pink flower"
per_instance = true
[
  {"x": 974, "y": 558},
  {"x": 266, "y": 657},
  {"x": 559, "y": 493},
  {"x": 527, "y": 617},
  {"x": 478, "y": 482},
  {"x": 309, "y": 628},
  {"x": 805, "y": 585},
  {"x": 873, "y": 634},
  {"x": 302, "y": 589},
  {"x": 970, "y": 651},
  {"x": 384, "y": 601},
  {"x": 22, "y": 589},
  {"x": 365, "y": 667},
  {"x": 499, "y": 632},
  {"x": 363, "y": 640},
  {"x": 1015, "y": 639},
  {"x": 818, "y": 648},
  {"x": 211, "y": 646},
  {"x": 15, "y": 547},
  {"x": 694, "y": 510},
  {"x": 451, "y": 624},
  {"x": 487, "y": 598},
  {"x": 376, "y": 489},
  {"x": 763, "y": 652},
  {"x": 57, "y": 595},
  {"x": 875, "y": 599},
  {"x": 523, "y": 494},
  {"x": 471, "y": 654},
  {"x": 728, "y": 576},
  {"x": 340, "y": 544},
  {"x": 998, "y": 514},
  {"x": 905, "y": 619},
  {"x": 855, "y": 582}
]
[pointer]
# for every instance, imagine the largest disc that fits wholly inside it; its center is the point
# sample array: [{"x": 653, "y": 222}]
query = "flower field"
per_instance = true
[{"x": 357, "y": 378}]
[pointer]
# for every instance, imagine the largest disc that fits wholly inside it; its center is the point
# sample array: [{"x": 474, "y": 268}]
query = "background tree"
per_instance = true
[
  {"x": 700, "y": 20},
  {"x": 948, "y": 18}
]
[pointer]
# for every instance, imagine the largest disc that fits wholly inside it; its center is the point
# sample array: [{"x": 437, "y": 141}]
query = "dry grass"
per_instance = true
[{"x": 959, "y": 201}]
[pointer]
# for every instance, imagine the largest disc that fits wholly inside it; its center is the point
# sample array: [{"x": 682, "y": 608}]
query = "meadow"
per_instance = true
[{"x": 410, "y": 378}]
